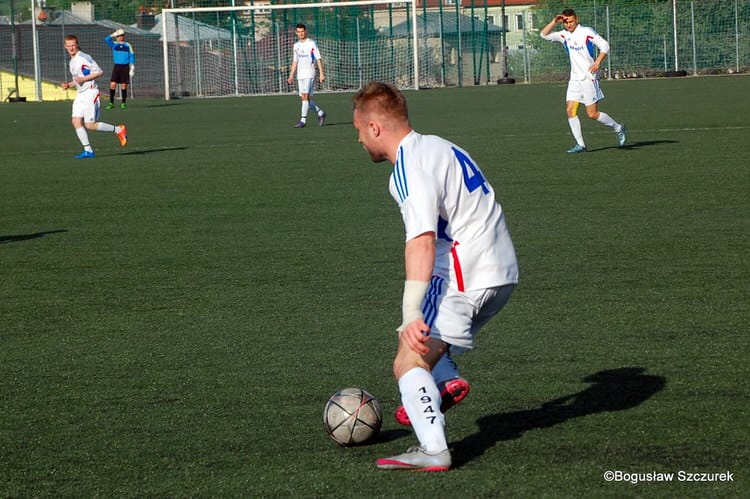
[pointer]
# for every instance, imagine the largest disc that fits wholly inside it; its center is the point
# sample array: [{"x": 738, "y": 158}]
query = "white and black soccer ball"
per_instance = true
[{"x": 352, "y": 416}]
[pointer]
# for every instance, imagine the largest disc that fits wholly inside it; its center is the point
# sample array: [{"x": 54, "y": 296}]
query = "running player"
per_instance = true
[
  {"x": 86, "y": 104},
  {"x": 579, "y": 42},
  {"x": 306, "y": 57},
  {"x": 460, "y": 263}
]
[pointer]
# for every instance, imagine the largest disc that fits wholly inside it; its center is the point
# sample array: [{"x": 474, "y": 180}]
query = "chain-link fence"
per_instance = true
[{"x": 460, "y": 42}]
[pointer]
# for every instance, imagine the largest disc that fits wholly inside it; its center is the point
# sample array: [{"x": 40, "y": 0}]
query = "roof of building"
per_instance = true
[{"x": 430, "y": 25}]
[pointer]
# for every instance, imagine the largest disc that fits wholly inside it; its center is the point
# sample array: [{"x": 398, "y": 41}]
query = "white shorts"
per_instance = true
[
  {"x": 86, "y": 106},
  {"x": 586, "y": 92},
  {"x": 455, "y": 317},
  {"x": 306, "y": 85}
]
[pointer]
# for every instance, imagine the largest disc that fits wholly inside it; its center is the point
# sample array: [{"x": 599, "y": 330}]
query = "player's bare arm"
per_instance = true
[
  {"x": 419, "y": 257},
  {"x": 419, "y": 261},
  {"x": 551, "y": 25},
  {"x": 599, "y": 59}
]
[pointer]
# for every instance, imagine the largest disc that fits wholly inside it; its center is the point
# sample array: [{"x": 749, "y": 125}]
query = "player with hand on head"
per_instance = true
[
  {"x": 459, "y": 259},
  {"x": 306, "y": 57},
  {"x": 583, "y": 87},
  {"x": 85, "y": 71},
  {"x": 124, "y": 68}
]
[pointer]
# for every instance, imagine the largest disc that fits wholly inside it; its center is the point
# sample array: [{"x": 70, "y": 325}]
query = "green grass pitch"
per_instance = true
[{"x": 174, "y": 314}]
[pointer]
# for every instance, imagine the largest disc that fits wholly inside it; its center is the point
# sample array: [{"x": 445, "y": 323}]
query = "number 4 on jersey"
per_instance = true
[{"x": 473, "y": 178}]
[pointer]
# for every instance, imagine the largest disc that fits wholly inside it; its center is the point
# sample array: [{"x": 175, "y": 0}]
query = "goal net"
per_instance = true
[{"x": 247, "y": 50}]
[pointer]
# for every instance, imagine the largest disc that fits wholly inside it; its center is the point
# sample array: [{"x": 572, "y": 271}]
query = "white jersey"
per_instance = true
[
  {"x": 83, "y": 65},
  {"x": 439, "y": 188},
  {"x": 306, "y": 54},
  {"x": 579, "y": 46}
]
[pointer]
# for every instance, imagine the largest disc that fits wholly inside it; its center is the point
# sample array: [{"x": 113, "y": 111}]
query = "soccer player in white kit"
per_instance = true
[
  {"x": 459, "y": 259},
  {"x": 579, "y": 42},
  {"x": 306, "y": 57},
  {"x": 87, "y": 103}
]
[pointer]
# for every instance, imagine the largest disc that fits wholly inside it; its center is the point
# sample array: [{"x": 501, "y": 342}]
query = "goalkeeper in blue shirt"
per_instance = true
[{"x": 124, "y": 59}]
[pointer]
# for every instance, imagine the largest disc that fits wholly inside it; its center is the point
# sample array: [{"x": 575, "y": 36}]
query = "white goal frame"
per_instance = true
[{"x": 167, "y": 12}]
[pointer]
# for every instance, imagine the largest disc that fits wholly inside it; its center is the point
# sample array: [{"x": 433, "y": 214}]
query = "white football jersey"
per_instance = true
[
  {"x": 306, "y": 54},
  {"x": 579, "y": 46},
  {"x": 83, "y": 65},
  {"x": 439, "y": 188}
]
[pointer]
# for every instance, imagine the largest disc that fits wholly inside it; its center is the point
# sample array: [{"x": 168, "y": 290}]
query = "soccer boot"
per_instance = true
[
  {"x": 417, "y": 459},
  {"x": 322, "y": 119},
  {"x": 453, "y": 391},
  {"x": 85, "y": 154},
  {"x": 123, "y": 135},
  {"x": 300, "y": 124},
  {"x": 622, "y": 136},
  {"x": 123, "y": 106},
  {"x": 577, "y": 148},
  {"x": 110, "y": 106}
]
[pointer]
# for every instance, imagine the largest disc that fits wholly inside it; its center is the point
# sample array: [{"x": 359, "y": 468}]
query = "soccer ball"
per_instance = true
[{"x": 352, "y": 416}]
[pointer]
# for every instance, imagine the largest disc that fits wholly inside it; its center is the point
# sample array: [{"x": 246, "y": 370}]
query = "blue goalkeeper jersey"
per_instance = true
[{"x": 122, "y": 52}]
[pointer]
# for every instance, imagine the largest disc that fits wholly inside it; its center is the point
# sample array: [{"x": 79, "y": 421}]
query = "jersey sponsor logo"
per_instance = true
[{"x": 570, "y": 44}]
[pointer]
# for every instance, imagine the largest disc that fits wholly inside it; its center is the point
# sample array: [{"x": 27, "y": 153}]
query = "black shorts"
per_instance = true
[{"x": 121, "y": 73}]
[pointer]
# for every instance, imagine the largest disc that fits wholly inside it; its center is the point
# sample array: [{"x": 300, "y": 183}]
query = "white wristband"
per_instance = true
[{"x": 411, "y": 307}]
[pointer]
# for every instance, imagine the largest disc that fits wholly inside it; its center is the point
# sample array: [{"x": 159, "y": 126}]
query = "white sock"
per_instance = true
[
  {"x": 83, "y": 137},
  {"x": 575, "y": 127},
  {"x": 315, "y": 107},
  {"x": 421, "y": 399},
  {"x": 105, "y": 127},
  {"x": 305, "y": 108},
  {"x": 446, "y": 369},
  {"x": 607, "y": 120}
]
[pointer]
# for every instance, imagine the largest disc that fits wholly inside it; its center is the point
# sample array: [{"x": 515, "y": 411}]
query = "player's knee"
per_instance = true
[{"x": 406, "y": 361}]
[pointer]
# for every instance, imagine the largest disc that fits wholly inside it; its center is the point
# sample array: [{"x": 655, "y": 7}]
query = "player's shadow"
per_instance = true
[
  {"x": 636, "y": 145},
  {"x": 151, "y": 151},
  {"x": 25, "y": 237},
  {"x": 611, "y": 390},
  {"x": 338, "y": 123}
]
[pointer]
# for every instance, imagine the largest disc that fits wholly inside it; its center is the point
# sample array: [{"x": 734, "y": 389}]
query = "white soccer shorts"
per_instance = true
[
  {"x": 86, "y": 106},
  {"x": 457, "y": 317},
  {"x": 306, "y": 85},
  {"x": 586, "y": 92}
]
